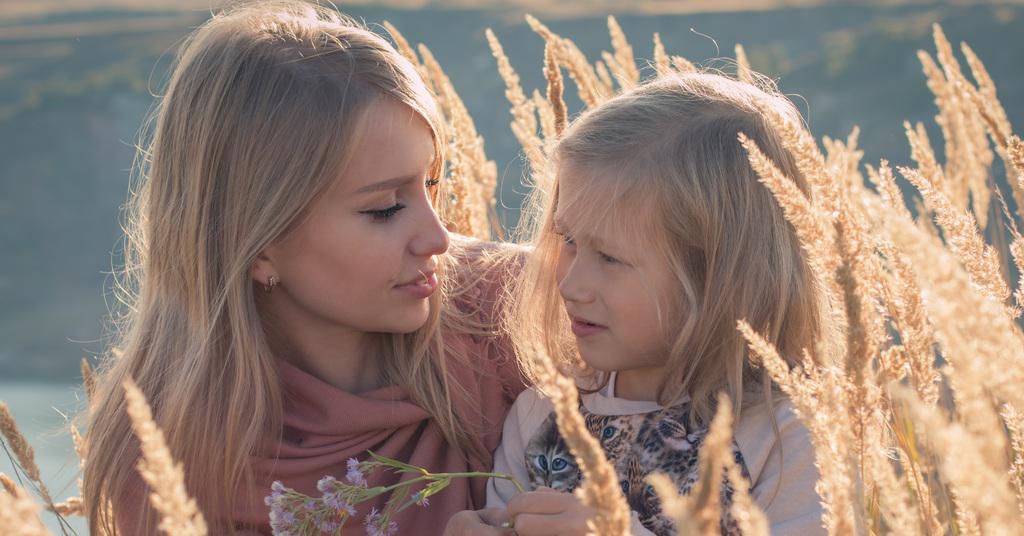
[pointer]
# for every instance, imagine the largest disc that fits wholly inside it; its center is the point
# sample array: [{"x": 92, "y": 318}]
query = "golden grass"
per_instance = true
[{"x": 179, "y": 514}]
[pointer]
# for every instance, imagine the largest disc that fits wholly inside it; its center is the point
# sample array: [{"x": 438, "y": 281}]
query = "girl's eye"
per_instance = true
[
  {"x": 608, "y": 258},
  {"x": 566, "y": 238},
  {"x": 384, "y": 214},
  {"x": 430, "y": 183}
]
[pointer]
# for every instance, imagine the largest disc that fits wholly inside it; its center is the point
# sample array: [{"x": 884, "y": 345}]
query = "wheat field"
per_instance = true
[{"x": 914, "y": 403}]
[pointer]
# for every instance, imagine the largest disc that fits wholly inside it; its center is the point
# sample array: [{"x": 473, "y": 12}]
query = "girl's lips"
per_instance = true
[
  {"x": 421, "y": 288},
  {"x": 586, "y": 329}
]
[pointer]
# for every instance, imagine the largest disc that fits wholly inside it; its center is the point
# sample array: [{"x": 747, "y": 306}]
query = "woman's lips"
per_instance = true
[
  {"x": 582, "y": 328},
  {"x": 420, "y": 288}
]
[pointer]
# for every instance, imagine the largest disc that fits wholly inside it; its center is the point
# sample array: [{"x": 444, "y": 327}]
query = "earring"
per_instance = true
[{"x": 268, "y": 287}]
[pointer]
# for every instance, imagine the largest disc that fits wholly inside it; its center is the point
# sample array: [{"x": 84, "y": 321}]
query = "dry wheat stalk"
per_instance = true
[
  {"x": 524, "y": 122},
  {"x": 743, "y": 71},
  {"x": 88, "y": 380},
  {"x": 23, "y": 452},
  {"x": 897, "y": 505},
  {"x": 885, "y": 182},
  {"x": 963, "y": 237},
  {"x": 751, "y": 520},
  {"x": 600, "y": 489},
  {"x": 683, "y": 65},
  {"x": 405, "y": 49},
  {"x": 7, "y": 483},
  {"x": 546, "y": 118},
  {"x": 473, "y": 177},
  {"x": 813, "y": 228},
  {"x": 555, "y": 89},
  {"x": 623, "y": 64},
  {"x": 604, "y": 78},
  {"x": 662, "y": 63},
  {"x": 1015, "y": 424},
  {"x": 71, "y": 507},
  {"x": 809, "y": 159},
  {"x": 1015, "y": 151},
  {"x": 979, "y": 488},
  {"x": 591, "y": 91},
  {"x": 19, "y": 515},
  {"x": 179, "y": 514},
  {"x": 915, "y": 330},
  {"x": 976, "y": 333},
  {"x": 673, "y": 505},
  {"x": 699, "y": 513},
  {"x": 819, "y": 400},
  {"x": 987, "y": 89},
  {"x": 711, "y": 462}
]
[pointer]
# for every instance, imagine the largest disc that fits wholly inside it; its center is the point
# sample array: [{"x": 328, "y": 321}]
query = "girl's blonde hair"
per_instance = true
[
  {"x": 258, "y": 119},
  {"x": 662, "y": 163}
]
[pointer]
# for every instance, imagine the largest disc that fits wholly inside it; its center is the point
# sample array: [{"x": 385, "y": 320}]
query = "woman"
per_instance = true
[{"x": 293, "y": 298}]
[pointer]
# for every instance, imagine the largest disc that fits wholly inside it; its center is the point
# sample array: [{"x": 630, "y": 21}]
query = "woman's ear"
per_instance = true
[{"x": 263, "y": 269}]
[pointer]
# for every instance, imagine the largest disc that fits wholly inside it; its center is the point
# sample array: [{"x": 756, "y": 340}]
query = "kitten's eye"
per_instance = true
[
  {"x": 558, "y": 464},
  {"x": 542, "y": 462},
  {"x": 608, "y": 432},
  {"x": 624, "y": 484}
]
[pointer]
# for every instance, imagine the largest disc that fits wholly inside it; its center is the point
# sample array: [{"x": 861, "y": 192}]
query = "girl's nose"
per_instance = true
[{"x": 573, "y": 285}]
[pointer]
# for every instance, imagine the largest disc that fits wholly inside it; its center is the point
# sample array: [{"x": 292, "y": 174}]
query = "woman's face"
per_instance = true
[{"x": 365, "y": 257}]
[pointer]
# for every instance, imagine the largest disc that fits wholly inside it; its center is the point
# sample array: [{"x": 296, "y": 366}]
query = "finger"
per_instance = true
[
  {"x": 469, "y": 523},
  {"x": 535, "y": 502},
  {"x": 545, "y": 489},
  {"x": 494, "y": 516},
  {"x": 550, "y": 525}
]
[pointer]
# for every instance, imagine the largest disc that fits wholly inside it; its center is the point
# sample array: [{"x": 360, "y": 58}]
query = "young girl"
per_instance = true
[
  {"x": 657, "y": 238},
  {"x": 294, "y": 299}
]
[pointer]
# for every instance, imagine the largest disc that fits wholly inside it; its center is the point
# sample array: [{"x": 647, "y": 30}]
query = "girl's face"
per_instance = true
[
  {"x": 615, "y": 292},
  {"x": 365, "y": 257}
]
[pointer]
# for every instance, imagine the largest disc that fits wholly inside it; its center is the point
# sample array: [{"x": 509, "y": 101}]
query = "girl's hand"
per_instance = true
[
  {"x": 546, "y": 512},
  {"x": 486, "y": 522}
]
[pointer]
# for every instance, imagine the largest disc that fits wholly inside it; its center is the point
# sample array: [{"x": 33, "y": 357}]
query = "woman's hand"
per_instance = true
[
  {"x": 546, "y": 512},
  {"x": 486, "y": 522}
]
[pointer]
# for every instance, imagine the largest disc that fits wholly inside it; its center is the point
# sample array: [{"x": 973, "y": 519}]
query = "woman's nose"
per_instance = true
[{"x": 431, "y": 238}]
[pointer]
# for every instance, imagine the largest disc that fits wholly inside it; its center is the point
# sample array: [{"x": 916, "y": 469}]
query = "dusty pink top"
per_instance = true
[{"x": 325, "y": 426}]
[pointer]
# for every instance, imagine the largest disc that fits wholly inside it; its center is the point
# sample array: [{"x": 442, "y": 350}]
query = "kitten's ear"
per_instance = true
[{"x": 671, "y": 428}]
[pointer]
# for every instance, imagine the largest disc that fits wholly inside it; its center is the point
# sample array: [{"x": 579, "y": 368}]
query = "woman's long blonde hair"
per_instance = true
[
  {"x": 664, "y": 165},
  {"x": 258, "y": 119}
]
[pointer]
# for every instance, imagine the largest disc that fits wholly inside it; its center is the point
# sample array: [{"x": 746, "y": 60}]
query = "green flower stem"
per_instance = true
[{"x": 436, "y": 476}]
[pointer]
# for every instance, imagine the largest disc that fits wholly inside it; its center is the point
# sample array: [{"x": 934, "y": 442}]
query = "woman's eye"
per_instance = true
[{"x": 384, "y": 214}]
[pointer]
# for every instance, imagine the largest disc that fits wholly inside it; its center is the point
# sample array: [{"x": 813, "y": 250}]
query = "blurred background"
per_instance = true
[{"x": 77, "y": 78}]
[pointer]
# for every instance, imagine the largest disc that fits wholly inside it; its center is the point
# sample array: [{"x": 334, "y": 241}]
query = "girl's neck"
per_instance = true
[{"x": 639, "y": 383}]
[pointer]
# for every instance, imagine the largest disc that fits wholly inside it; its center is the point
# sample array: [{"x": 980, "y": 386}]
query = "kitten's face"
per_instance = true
[{"x": 549, "y": 462}]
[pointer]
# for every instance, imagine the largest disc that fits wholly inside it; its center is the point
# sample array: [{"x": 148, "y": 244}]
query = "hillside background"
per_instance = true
[{"x": 78, "y": 76}]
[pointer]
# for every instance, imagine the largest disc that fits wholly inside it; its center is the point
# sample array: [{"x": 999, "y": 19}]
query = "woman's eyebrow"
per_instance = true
[{"x": 388, "y": 184}]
